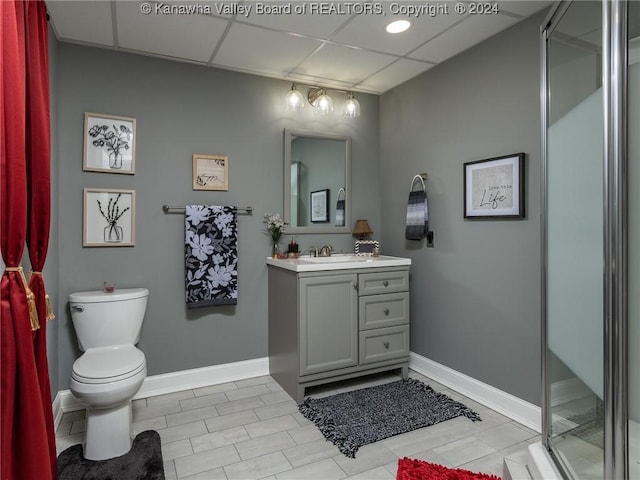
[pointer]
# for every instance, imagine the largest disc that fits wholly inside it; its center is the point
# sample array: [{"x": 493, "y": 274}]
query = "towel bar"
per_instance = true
[
  {"x": 421, "y": 177},
  {"x": 173, "y": 209}
]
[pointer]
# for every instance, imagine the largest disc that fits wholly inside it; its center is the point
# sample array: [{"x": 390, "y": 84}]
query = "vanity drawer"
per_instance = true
[
  {"x": 384, "y": 344},
  {"x": 383, "y": 282},
  {"x": 386, "y": 310}
]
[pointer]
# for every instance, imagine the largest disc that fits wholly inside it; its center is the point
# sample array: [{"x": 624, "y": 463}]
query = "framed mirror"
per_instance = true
[{"x": 317, "y": 171}]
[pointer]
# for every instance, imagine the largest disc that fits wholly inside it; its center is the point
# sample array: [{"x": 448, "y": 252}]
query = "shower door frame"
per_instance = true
[{"x": 615, "y": 271}]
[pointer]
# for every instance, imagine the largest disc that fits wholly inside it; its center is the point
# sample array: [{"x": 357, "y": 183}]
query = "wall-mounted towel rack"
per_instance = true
[
  {"x": 173, "y": 209},
  {"x": 422, "y": 177}
]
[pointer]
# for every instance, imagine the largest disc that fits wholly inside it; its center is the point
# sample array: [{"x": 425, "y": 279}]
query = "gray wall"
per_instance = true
[
  {"x": 183, "y": 109},
  {"x": 475, "y": 304}
]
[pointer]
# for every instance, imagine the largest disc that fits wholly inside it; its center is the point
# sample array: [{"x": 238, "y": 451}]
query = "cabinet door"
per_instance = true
[{"x": 328, "y": 323}]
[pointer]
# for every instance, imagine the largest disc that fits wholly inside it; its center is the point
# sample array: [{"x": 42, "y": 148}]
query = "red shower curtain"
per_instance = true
[
  {"x": 24, "y": 449},
  {"x": 38, "y": 140}
]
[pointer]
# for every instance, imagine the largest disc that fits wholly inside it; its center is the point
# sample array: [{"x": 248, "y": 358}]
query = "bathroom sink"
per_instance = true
[{"x": 339, "y": 259}]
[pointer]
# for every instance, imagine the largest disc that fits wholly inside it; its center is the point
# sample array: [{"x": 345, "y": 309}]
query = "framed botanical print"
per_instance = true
[
  {"x": 109, "y": 217},
  {"x": 109, "y": 143}
]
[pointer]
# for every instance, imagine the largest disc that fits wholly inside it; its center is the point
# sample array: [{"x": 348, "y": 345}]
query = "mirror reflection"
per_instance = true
[{"x": 317, "y": 167}]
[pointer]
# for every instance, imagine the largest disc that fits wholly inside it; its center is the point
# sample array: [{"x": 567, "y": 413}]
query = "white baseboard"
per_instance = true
[
  {"x": 513, "y": 407},
  {"x": 502, "y": 402},
  {"x": 175, "y": 382}
]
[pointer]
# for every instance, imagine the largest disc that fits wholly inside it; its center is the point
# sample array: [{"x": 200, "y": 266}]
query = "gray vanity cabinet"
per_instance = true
[{"x": 333, "y": 325}]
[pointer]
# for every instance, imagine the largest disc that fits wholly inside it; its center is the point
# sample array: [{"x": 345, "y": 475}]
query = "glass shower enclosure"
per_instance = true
[{"x": 591, "y": 238}]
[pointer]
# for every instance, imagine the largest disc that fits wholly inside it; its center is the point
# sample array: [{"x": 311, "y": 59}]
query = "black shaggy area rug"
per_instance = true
[
  {"x": 142, "y": 462},
  {"x": 353, "y": 419}
]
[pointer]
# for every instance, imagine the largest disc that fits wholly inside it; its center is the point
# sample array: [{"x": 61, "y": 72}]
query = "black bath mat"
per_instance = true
[
  {"x": 142, "y": 462},
  {"x": 353, "y": 419}
]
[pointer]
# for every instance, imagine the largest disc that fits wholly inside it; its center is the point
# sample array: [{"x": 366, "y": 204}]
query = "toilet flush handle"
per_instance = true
[{"x": 77, "y": 308}]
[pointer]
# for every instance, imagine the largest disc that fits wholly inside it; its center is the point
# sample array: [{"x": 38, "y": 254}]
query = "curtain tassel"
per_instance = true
[
  {"x": 31, "y": 298},
  {"x": 33, "y": 311},
  {"x": 49, "y": 315}
]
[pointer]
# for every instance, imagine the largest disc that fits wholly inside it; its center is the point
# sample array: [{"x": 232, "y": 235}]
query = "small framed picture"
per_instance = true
[
  {"x": 109, "y": 144},
  {"x": 367, "y": 247},
  {"x": 320, "y": 206},
  {"x": 210, "y": 172},
  {"x": 109, "y": 217},
  {"x": 494, "y": 188}
]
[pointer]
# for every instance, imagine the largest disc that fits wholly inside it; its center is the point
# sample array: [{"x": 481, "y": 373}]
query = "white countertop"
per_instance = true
[{"x": 336, "y": 262}]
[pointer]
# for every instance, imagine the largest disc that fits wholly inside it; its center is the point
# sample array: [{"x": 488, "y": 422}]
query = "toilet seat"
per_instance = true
[{"x": 108, "y": 364}]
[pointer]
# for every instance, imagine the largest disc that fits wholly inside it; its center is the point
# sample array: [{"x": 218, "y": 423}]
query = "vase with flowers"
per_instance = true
[
  {"x": 275, "y": 230},
  {"x": 113, "y": 140}
]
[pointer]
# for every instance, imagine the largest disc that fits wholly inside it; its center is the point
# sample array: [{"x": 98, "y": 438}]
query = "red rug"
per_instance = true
[{"x": 410, "y": 469}]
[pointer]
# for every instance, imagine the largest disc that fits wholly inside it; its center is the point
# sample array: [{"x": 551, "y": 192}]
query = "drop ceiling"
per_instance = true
[{"x": 342, "y": 45}]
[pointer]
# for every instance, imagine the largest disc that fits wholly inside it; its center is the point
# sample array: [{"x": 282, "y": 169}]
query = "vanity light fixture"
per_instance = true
[
  {"x": 294, "y": 99},
  {"x": 398, "y": 26},
  {"x": 320, "y": 100}
]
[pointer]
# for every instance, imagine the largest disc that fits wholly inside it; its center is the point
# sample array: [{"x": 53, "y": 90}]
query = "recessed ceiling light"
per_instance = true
[{"x": 398, "y": 26}]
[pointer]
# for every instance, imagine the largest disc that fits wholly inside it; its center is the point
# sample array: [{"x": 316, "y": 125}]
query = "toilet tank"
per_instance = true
[{"x": 103, "y": 319}]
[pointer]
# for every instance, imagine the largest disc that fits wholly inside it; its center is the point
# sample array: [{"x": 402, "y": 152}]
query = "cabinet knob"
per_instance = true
[
  {"x": 386, "y": 311},
  {"x": 386, "y": 345},
  {"x": 385, "y": 283},
  {"x": 355, "y": 286}
]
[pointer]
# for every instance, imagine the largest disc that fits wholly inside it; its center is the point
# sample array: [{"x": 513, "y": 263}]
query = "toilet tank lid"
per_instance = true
[{"x": 100, "y": 296}]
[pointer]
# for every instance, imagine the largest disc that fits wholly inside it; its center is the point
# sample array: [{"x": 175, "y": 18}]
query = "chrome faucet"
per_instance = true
[{"x": 325, "y": 251}]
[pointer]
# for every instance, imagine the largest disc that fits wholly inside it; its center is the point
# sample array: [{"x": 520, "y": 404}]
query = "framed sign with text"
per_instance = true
[
  {"x": 494, "y": 188},
  {"x": 210, "y": 172}
]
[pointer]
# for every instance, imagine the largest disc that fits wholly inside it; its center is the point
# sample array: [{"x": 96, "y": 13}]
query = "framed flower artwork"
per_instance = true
[{"x": 109, "y": 144}]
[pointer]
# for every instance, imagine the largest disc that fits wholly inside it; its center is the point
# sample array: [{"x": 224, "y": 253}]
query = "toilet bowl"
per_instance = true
[
  {"x": 104, "y": 380},
  {"x": 111, "y": 370}
]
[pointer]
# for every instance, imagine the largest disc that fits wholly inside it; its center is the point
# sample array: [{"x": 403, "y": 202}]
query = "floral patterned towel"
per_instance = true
[{"x": 211, "y": 240}]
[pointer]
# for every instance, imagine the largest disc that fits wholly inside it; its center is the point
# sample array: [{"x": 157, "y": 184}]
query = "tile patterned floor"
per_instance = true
[{"x": 251, "y": 429}]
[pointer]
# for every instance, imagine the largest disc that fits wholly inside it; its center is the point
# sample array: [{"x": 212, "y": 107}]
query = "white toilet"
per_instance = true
[{"x": 111, "y": 370}]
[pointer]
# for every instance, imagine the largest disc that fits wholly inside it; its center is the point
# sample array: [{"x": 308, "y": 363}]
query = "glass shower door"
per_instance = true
[
  {"x": 634, "y": 238},
  {"x": 574, "y": 239}
]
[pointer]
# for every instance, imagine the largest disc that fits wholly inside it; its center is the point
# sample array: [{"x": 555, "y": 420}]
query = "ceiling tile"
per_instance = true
[
  {"x": 523, "y": 8},
  {"x": 342, "y": 48},
  {"x": 254, "y": 49},
  {"x": 583, "y": 18},
  {"x": 471, "y": 31},
  {"x": 368, "y": 31},
  {"x": 317, "y": 26},
  {"x": 87, "y": 22},
  {"x": 393, "y": 75},
  {"x": 192, "y": 37},
  {"x": 350, "y": 65}
]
